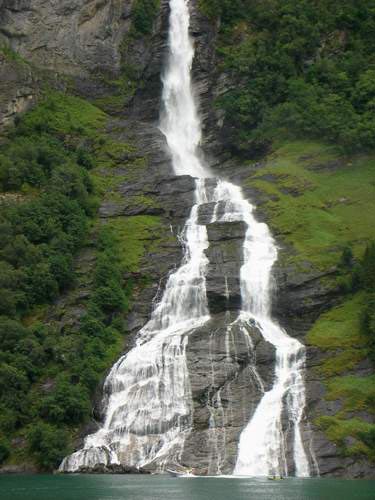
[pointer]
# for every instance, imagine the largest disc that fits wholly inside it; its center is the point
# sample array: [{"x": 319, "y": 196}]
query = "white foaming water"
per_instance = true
[
  {"x": 149, "y": 408},
  {"x": 262, "y": 443},
  {"x": 180, "y": 122},
  {"x": 149, "y": 404}
]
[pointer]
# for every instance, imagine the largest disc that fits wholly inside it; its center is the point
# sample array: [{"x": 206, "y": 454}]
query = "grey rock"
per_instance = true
[
  {"x": 221, "y": 362},
  {"x": 18, "y": 90},
  {"x": 225, "y": 255},
  {"x": 69, "y": 36}
]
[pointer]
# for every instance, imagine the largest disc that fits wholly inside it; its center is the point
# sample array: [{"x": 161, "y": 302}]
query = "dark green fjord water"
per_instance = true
[{"x": 86, "y": 487}]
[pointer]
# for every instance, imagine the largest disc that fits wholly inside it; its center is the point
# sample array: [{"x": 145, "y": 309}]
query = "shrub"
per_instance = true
[
  {"x": 11, "y": 333},
  {"x": 298, "y": 69},
  {"x": 67, "y": 404},
  {"x": 4, "y": 450},
  {"x": 109, "y": 298},
  {"x": 143, "y": 15},
  {"x": 48, "y": 444}
]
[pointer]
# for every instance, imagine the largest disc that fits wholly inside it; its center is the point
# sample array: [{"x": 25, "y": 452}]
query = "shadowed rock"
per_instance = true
[
  {"x": 225, "y": 255},
  {"x": 230, "y": 364}
]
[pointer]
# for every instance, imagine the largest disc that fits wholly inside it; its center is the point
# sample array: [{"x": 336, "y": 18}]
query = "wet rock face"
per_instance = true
[
  {"x": 225, "y": 255},
  {"x": 230, "y": 365}
]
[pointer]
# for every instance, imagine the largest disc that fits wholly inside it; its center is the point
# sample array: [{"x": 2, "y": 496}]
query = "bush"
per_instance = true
[
  {"x": 144, "y": 14},
  {"x": 4, "y": 450},
  {"x": 11, "y": 333},
  {"x": 67, "y": 404},
  {"x": 109, "y": 298},
  {"x": 298, "y": 69},
  {"x": 8, "y": 420},
  {"x": 48, "y": 444},
  {"x": 12, "y": 381}
]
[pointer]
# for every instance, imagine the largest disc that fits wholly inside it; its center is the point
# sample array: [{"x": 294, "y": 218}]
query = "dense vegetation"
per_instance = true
[
  {"x": 362, "y": 277},
  {"x": 48, "y": 375},
  {"x": 144, "y": 14},
  {"x": 348, "y": 332},
  {"x": 300, "y": 68}
]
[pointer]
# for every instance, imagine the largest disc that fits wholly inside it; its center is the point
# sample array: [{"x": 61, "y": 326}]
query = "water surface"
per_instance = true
[{"x": 102, "y": 487}]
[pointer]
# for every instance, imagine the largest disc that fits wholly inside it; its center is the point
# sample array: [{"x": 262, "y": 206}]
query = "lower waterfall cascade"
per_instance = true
[{"x": 149, "y": 407}]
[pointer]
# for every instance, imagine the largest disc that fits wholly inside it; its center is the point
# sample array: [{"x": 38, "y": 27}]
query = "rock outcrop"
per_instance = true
[
  {"x": 66, "y": 36},
  {"x": 230, "y": 367},
  {"x": 18, "y": 89},
  {"x": 225, "y": 255}
]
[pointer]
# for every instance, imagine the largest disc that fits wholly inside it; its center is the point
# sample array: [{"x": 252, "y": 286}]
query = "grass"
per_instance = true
[
  {"x": 338, "y": 333},
  {"x": 342, "y": 361},
  {"x": 319, "y": 202},
  {"x": 105, "y": 183},
  {"x": 348, "y": 435},
  {"x": 66, "y": 114},
  {"x": 339, "y": 328},
  {"x": 136, "y": 235},
  {"x": 111, "y": 153},
  {"x": 357, "y": 393},
  {"x": 142, "y": 201},
  {"x": 123, "y": 90},
  {"x": 318, "y": 209},
  {"x": 11, "y": 55}
]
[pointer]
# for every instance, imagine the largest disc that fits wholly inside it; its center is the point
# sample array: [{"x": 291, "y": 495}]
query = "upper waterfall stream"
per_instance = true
[{"x": 149, "y": 408}]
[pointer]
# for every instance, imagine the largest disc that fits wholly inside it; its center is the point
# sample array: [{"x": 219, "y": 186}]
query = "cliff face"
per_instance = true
[
  {"x": 18, "y": 89},
  {"x": 82, "y": 38},
  {"x": 70, "y": 36},
  {"x": 87, "y": 46}
]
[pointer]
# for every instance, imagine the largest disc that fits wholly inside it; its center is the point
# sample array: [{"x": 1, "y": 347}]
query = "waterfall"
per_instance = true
[
  {"x": 149, "y": 411},
  {"x": 262, "y": 443},
  {"x": 180, "y": 122}
]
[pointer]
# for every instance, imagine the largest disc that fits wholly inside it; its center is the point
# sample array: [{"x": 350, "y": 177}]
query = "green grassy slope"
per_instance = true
[
  {"x": 49, "y": 371},
  {"x": 320, "y": 202},
  {"x": 338, "y": 334}
]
